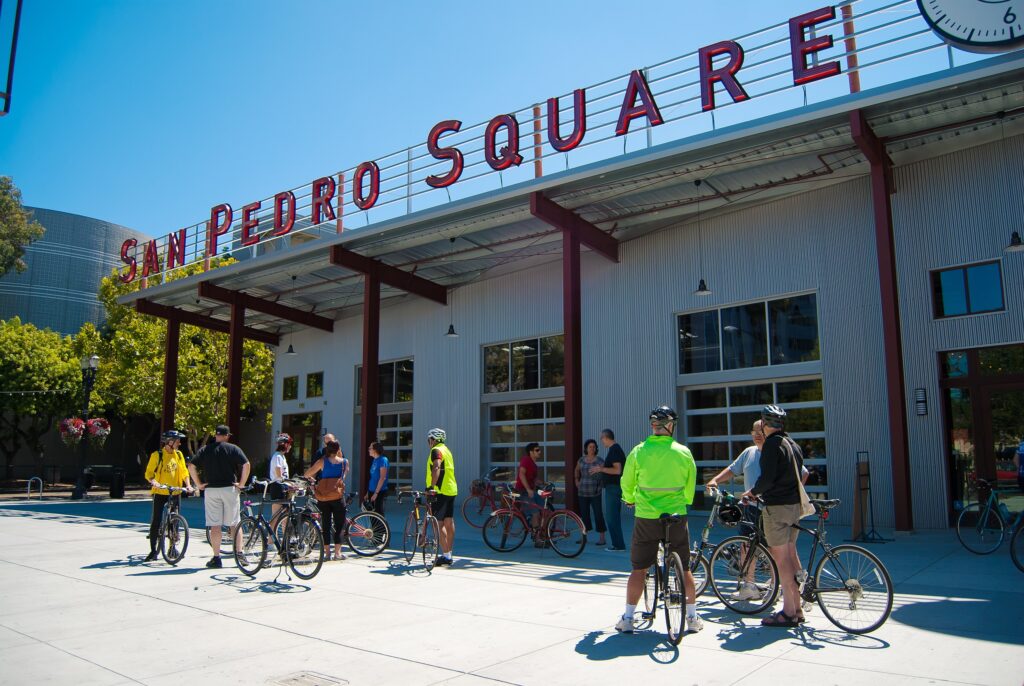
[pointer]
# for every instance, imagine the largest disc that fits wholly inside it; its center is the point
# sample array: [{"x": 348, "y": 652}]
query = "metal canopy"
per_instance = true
[{"x": 651, "y": 190}]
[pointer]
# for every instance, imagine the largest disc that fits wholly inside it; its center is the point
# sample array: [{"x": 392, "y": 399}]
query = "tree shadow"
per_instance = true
[{"x": 602, "y": 645}]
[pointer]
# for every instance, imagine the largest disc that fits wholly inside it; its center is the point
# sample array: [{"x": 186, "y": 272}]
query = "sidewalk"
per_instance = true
[{"x": 77, "y": 605}]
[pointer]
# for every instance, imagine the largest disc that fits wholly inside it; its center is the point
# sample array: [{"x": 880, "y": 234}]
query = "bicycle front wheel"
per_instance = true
[
  {"x": 174, "y": 541},
  {"x": 700, "y": 570},
  {"x": 250, "y": 546},
  {"x": 409, "y": 535},
  {"x": 305, "y": 543},
  {"x": 853, "y": 588},
  {"x": 504, "y": 531},
  {"x": 744, "y": 576},
  {"x": 431, "y": 542},
  {"x": 674, "y": 599},
  {"x": 566, "y": 533},
  {"x": 475, "y": 510},
  {"x": 367, "y": 533},
  {"x": 980, "y": 528},
  {"x": 1017, "y": 547}
]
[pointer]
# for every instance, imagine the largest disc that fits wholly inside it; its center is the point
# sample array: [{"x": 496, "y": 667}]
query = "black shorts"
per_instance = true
[
  {"x": 647, "y": 534},
  {"x": 443, "y": 507}
]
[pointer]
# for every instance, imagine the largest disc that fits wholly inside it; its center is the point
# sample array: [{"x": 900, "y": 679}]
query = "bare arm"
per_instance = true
[
  {"x": 314, "y": 468},
  {"x": 195, "y": 477},
  {"x": 245, "y": 476},
  {"x": 723, "y": 476}
]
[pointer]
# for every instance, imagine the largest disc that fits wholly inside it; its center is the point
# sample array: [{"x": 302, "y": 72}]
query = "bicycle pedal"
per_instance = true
[{"x": 647, "y": 616}]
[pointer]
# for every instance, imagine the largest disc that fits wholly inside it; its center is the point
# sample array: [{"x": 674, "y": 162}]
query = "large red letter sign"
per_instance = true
[
  {"x": 282, "y": 225},
  {"x": 176, "y": 249},
  {"x": 509, "y": 154},
  {"x": 323, "y": 193},
  {"x": 216, "y": 227},
  {"x": 365, "y": 201},
  {"x": 630, "y": 110},
  {"x": 453, "y": 154},
  {"x": 799, "y": 48},
  {"x": 151, "y": 261},
  {"x": 725, "y": 74},
  {"x": 126, "y": 247},
  {"x": 249, "y": 222},
  {"x": 579, "y": 122}
]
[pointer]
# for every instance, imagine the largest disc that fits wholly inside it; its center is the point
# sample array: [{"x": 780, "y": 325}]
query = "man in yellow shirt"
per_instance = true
[
  {"x": 441, "y": 479},
  {"x": 166, "y": 467}
]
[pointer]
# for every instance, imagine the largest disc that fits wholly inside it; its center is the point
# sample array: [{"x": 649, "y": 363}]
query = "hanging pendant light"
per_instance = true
[
  {"x": 451, "y": 332},
  {"x": 290, "y": 350},
  {"x": 1016, "y": 245},
  {"x": 702, "y": 287},
  {"x": 451, "y": 325}
]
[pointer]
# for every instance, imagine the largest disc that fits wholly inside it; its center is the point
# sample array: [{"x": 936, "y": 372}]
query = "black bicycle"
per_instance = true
[
  {"x": 173, "y": 532},
  {"x": 294, "y": 530},
  {"x": 422, "y": 531},
  {"x": 668, "y": 586}
]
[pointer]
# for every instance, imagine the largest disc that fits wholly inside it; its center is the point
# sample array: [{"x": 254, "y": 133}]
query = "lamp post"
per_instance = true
[{"x": 89, "y": 365}]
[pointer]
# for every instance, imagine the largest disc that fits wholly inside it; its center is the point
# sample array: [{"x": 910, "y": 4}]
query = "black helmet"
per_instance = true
[
  {"x": 663, "y": 416},
  {"x": 730, "y": 514},
  {"x": 773, "y": 416},
  {"x": 171, "y": 434}
]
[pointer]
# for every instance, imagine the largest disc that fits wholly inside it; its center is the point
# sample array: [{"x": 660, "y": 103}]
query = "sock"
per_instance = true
[
  {"x": 691, "y": 610},
  {"x": 630, "y": 609},
  {"x": 448, "y": 555}
]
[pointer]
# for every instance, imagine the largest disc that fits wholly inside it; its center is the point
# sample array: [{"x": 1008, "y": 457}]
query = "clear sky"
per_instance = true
[{"x": 146, "y": 113}]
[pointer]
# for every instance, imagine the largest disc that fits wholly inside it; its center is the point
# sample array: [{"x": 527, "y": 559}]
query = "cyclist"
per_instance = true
[
  {"x": 330, "y": 494},
  {"x": 441, "y": 479},
  {"x": 279, "y": 469},
  {"x": 166, "y": 466},
  {"x": 659, "y": 478},
  {"x": 226, "y": 469}
]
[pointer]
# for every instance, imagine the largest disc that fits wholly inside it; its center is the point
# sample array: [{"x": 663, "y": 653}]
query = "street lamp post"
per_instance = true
[{"x": 89, "y": 365}]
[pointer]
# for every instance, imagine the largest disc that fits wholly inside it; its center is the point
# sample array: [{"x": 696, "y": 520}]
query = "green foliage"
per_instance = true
[{"x": 16, "y": 231}]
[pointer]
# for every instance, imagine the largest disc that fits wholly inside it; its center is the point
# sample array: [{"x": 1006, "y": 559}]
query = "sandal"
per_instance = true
[{"x": 780, "y": 619}]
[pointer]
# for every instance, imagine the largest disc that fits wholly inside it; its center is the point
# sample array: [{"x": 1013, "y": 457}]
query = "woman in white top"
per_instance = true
[{"x": 279, "y": 470}]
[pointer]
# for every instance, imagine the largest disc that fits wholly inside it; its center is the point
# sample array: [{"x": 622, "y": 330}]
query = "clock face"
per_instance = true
[{"x": 977, "y": 25}]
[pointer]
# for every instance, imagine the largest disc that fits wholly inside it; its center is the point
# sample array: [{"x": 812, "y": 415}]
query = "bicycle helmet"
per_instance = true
[
  {"x": 730, "y": 515},
  {"x": 171, "y": 434},
  {"x": 664, "y": 416},
  {"x": 773, "y": 416},
  {"x": 283, "y": 438},
  {"x": 437, "y": 434}
]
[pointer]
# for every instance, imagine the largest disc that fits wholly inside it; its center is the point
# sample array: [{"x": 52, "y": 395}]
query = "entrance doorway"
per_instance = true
[
  {"x": 984, "y": 398},
  {"x": 305, "y": 432}
]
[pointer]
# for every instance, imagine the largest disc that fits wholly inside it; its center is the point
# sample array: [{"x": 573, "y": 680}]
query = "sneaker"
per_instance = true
[
  {"x": 624, "y": 626},
  {"x": 215, "y": 563},
  {"x": 694, "y": 624},
  {"x": 151, "y": 557},
  {"x": 613, "y": 549},
  {"x": 747, "y": 591},
  {"x": 443, "y": 562}
]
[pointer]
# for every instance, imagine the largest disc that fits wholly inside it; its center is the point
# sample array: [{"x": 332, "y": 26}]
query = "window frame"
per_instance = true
[
  {"x": 321, "y": 389},
  {"x": 284, "y": 388},
  {"x": 539, "y": 341},
  {"x": 934, "y": 278}
]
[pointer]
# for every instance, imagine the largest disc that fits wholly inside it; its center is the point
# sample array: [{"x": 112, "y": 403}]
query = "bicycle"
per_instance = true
[
  {"x": 367, "y": 533},
  {"x": 981, "y": 526},
  {"x": 505, "y": 530},
  {"x": 1017, "y": 547},
  {"x": 300, "y": 545},
  {"x": 421, "y": 529},
  {"x": 704, "y": 548},
  {"x": 173, "y": 532},
  {"x": 668, "y": 587},
  {"x": 483, "y": 501}
]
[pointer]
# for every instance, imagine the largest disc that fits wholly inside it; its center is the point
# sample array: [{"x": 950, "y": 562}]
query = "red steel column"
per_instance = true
[
  {"x": 571, "y": 321},
  {"x": 235, "y": 362},
  {"x": 371, "y": 344},
  {"x": 170, "y": 374}
]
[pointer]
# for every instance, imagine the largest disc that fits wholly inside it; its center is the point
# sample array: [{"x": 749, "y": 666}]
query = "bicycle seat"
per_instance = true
[
  {"x": 826, "y": 504},
  {"x": 671, "y": 518},
  {"x": 545, "y": 494}
]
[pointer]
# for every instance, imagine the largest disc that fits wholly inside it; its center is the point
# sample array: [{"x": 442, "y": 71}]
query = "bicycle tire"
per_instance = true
[
  {"x": 250, "y": 546},
  {"x": 566, "y": 533},
  {"x": 854, "y": 589},
  {"x": 431, "y": 542},
  {"x": 980, "y": 528},
  {"x": 504, "y": 531},
  {"x": 652, "y": 582},
  {"x": 305, "y": 545},
  {"x": 1017, "y": 546},
  {"x": 174, "y": 539},
  {"x": 674, "y": 597},
  {"x": 476, "y": 510},
  {"x": 728, "y": 569},
  {"x": 701, "y": 572},
  {"x": 367, "y": 533},
  {"x": 409, "y": 536}
]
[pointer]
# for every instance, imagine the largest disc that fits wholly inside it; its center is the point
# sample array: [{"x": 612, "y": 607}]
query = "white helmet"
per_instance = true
[{"x": 437, "y": 434}]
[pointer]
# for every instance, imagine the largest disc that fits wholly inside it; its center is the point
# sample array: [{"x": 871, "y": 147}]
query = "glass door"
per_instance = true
[{"x": 1006, "y": 414}]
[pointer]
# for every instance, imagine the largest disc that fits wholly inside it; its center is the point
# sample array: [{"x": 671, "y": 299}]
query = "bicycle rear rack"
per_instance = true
[{"x": 34, "y": 479}]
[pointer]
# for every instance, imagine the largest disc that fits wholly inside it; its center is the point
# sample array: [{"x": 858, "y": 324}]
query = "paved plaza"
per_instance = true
[{"x": 78, "y": 606}]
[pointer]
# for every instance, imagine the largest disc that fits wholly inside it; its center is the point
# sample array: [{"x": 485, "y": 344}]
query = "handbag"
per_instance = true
[
  {"x": 806, "y": 509},
  {"x": 328, "y": 489}
]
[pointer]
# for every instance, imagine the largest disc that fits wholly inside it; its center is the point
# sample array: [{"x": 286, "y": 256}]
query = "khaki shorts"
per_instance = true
[
  {"x": 221, "y": 506},
  {"x": 778, "y": 521},
  {"x": 647, "y": 533}
]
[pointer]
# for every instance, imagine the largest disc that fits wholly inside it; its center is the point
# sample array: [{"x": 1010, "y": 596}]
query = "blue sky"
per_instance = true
[{"x": 148, "y": 113}]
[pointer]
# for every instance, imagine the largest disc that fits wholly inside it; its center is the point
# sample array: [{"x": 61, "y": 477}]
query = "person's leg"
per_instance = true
[
  {"x": 778, "y": 520},
  {"x": 642, "y": 554},
  {"x": 214, "y": 508},
  {"x": 787, "y": 579},
  {"x": 586, "y": 504},
  {"x": 340, "y": 523},
  {"x": 635, "y": 586},
  {"x": 597, "y": 505},
  {"x": 449, "y": 529},
  {"x": 327, "y": 522},
  {"x": 378, "y": 504},
  {"x": 613, "y": 515}
]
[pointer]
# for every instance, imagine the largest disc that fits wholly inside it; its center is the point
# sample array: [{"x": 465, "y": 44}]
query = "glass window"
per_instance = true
[
  {"x": 798, "y": 391},
  {"x": 705, "y": 398},
  {"x": 794, "y": 329},
  {"x": 698, "y": 342},
  {"x": 967, "y": 290},
  {"x": 394, "y": 382},
  {"x": 397, "y": 444},
  {"x": 315, "y": 385},
  {"x": 290, "y": 388},
  {"x": 552, "y": 361},
  {"x": 403, "y": 381},
  {"x": 1003, "y": 360},
  {"x": 805, "y": 419},
  {"x": 496, "y": 361},
  {"x": 707, "y": 425},
  {"x": 744, "y": 337},
  {"x": 503, "y": 413},
  {"x": 530, "y": 411},
  {"x": 386, "y": 383},
  {"x": 954, "y": 364},
  {"x": 760, "y": 394},
  {"x": 525, "y": 365},
  {"x": 512, "y": 425}
]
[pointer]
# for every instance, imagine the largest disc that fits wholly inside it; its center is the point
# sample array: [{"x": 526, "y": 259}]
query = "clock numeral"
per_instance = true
[{"x": 1009, "y": 17}]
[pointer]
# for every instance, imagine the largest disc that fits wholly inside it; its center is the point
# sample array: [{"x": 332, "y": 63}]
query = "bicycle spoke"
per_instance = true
[{"x": 853, "y": 589}]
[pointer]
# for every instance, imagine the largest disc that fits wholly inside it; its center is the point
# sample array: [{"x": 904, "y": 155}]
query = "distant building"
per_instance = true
[{"x": 65, "y": 266}]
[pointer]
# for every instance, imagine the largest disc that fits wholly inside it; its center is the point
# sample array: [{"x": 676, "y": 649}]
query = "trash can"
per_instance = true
[{"x": 117, "y": 483}]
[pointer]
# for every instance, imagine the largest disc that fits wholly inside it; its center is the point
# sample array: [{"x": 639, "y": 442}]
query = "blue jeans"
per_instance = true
[{"x": 613, "y": 515}]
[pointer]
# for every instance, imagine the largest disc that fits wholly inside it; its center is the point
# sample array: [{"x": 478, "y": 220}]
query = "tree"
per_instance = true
[
  {"x": 41, "y": 382},
  {"x": 16, "y": 231}
]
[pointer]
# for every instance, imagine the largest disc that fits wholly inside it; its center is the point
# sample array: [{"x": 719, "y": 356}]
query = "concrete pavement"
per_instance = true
[{"x": 77, "y": 605}]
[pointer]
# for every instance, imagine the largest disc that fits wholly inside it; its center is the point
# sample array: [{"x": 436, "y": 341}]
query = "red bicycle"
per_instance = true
[
  {"x": 562, "y": 530},
  {"x": 484, "y": 499}
]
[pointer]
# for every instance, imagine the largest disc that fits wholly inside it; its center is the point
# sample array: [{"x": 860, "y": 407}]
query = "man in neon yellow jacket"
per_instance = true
[
  {"x": 441, "y": 479},
  {"x": 659, "y": 477}
]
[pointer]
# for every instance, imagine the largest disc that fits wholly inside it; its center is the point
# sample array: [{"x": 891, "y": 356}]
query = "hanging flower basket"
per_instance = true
[
  {"x": 71, "y": 431},
  {"x": 98, "y": 429}
]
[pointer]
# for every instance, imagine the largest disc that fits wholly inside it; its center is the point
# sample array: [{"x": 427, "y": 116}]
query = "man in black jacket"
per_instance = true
[{"x": 779, "y": 488}]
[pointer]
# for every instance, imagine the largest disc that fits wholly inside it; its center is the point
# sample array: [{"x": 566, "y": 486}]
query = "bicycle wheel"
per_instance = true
[
  {"x": 250, "y": 546},
  {"x": 431, "y": 541},
  {"x": 174, "y": 539},
  {"x": 744, "y": 577},
  {"x": 305, "y": 544},
  {"x": 652, "y": 582},
  {"x": 853, "y": 588},
  {"x": 566, "y": 533},
  {"x": 475, "y": 510},
  {"x": 1017, "y": 547},
  {"x": 700, "y": 570},
  {"x": 409, "y": 537},
  {"x": 980, "y": 528},
  {"x": 674, "y": 597},
  {"x": 504, "y": 531},
  {"x": 367, "y": 533}
]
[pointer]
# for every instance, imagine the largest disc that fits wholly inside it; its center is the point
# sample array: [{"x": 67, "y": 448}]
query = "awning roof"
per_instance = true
[{"x": 630, "y": 196}]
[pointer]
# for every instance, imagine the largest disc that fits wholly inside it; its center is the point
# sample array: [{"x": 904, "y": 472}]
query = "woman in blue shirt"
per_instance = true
[{"x": 377, "y": 490}]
